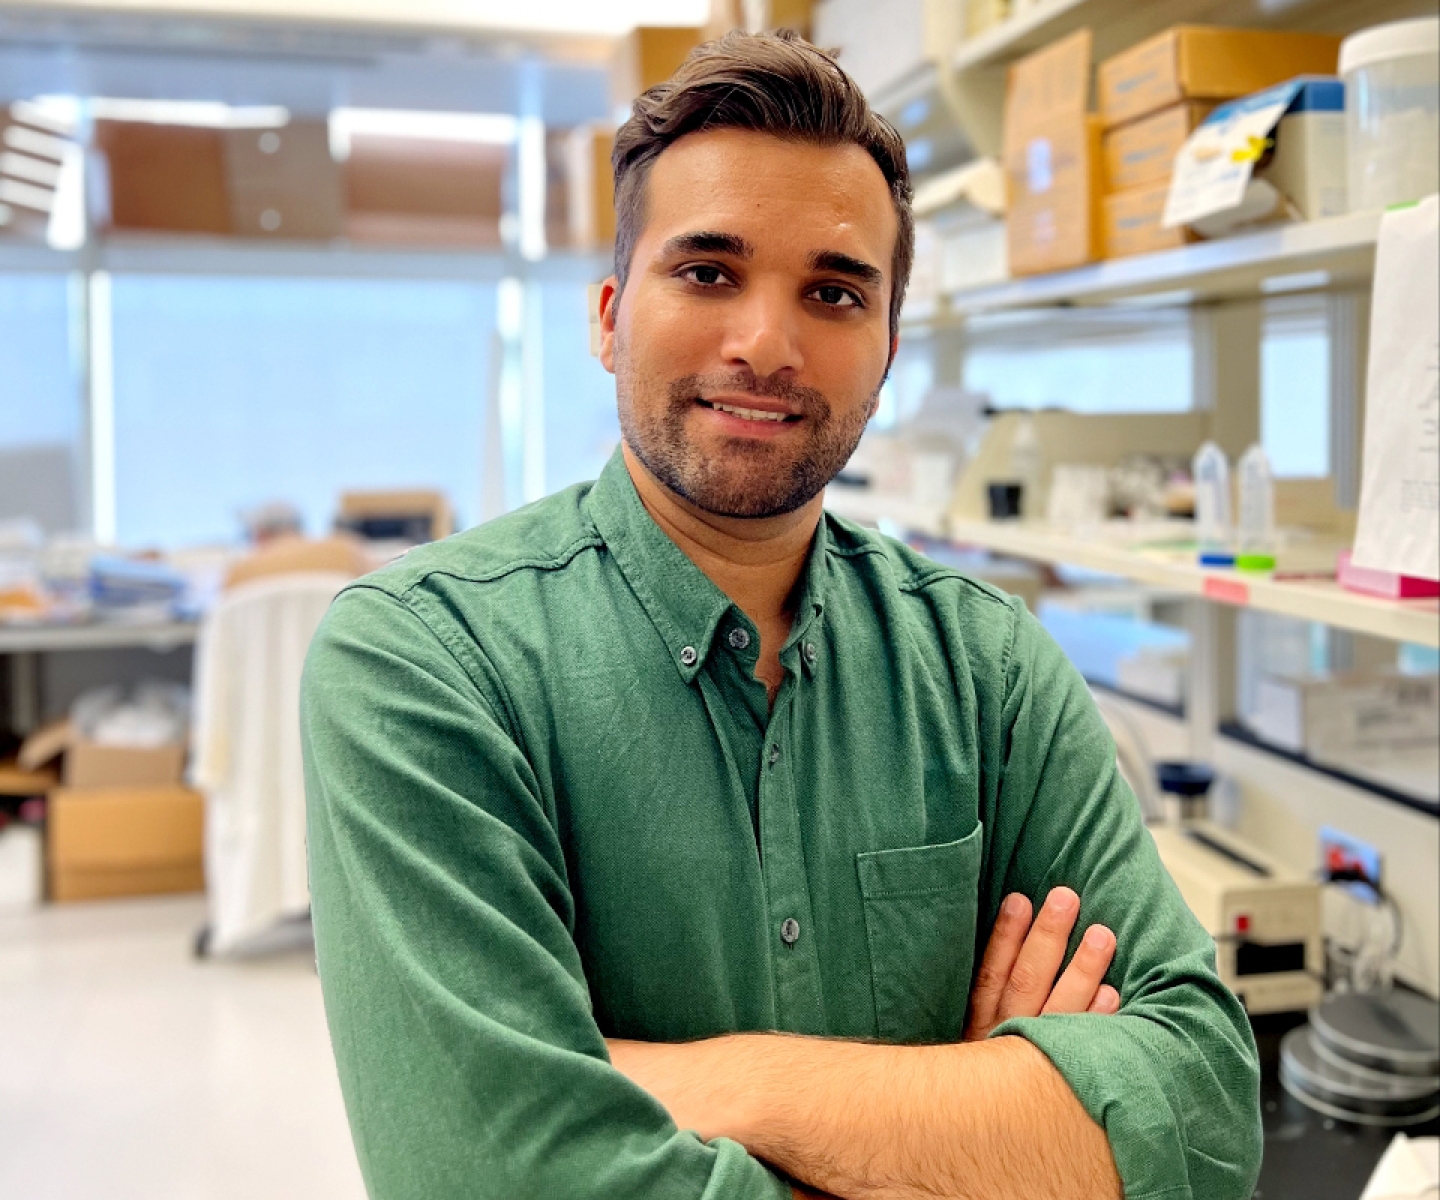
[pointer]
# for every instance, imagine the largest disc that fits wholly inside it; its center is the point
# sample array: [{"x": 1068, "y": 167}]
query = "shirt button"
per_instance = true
[
  {"x": 810, "y": 653},
  {"x": 739, "y": 639},
  {"x": 789, "y": 931},
  {"x": 774, "y": 755},
  {"x": 688, "y": 656}
]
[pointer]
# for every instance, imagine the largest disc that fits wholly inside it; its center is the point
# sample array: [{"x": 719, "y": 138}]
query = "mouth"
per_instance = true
[{"x": 760, "y": 416}]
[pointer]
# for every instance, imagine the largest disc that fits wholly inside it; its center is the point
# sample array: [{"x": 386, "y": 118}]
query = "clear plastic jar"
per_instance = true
[
  {"x": 1392, "y": 103},
  {"x": 1211, "y": 473},
  {"x": 1257, "y": 512}
]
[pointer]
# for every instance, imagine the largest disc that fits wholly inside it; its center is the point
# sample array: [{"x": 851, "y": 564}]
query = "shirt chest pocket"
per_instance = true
[{"x": 920, "y": 915}]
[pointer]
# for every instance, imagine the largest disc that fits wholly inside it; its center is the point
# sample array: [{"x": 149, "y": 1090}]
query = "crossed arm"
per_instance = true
[{"x": 983, "y": 1118}]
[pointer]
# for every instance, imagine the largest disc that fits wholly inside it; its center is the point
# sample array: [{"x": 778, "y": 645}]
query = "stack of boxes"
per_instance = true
[
  {"x": 1051, "y": 157},
  {"x": 121, "y": 823},
  {"x": 1152, "y": 96}
]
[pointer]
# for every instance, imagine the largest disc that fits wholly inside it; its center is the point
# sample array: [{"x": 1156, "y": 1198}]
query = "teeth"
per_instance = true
[{"x": 750, "y": 414}]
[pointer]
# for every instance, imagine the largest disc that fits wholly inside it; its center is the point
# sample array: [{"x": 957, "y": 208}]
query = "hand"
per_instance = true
[{"x": 1017, "y": 974}]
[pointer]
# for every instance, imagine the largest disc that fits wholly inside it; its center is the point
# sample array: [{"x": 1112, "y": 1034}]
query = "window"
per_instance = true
[
  {"x": 1112, "y": 361},
  {"x": 581, "y": 426},
  {"x": 230, "y": 392},
  {"x": 1295, "y": 387},
  {"x": 41, "y": 418}
]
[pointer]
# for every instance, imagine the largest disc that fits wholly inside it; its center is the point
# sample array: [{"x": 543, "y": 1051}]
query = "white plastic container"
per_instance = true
[
  {"x": 1211, "y": 472},
  {"x": 1257, "y": 512},
  {"x": 1392, "y": 82}
]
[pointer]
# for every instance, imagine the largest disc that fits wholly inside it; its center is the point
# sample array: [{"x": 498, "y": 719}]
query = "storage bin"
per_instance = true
[{"x": 1392, "y": 79}]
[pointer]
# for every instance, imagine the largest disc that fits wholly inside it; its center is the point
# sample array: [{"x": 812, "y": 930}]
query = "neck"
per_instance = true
[{"x": 756, "y": 561}]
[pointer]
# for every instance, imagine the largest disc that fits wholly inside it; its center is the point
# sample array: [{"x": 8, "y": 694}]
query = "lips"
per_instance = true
[{"x": 752, "y": 412}]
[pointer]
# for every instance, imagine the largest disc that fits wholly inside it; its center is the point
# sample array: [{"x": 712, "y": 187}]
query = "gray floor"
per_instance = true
[{"x": 129, "y": 1070}]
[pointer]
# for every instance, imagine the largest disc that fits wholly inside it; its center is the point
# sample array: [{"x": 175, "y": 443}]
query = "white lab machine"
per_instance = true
[{"x": 1265, "y": 917}]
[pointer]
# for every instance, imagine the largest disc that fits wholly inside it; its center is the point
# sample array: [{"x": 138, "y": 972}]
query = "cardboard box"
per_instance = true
[
  {"x": 106, "y": 842},
  {"x": 1144, "y": 151},
  {"x": 1052, "y": 160},
  {"x": 423, "y": 191},
  {"x": 1132, "y": 222},
  {"x": 650, "y": 54},
  {"x": 165, "y": 177},
  {"x": 89, "y": 764},
  {"x": 1348, "y": 718},
  {"x": 283, "y": 182},
  {"x": 1200, "y": 62}
]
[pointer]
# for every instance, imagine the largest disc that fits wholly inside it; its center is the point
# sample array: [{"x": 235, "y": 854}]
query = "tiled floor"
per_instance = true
[{"x": 130, "y": 1071}]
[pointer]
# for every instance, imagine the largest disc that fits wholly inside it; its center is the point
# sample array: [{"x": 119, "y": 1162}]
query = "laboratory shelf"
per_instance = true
[
  {"x": 1319, "y": 600},
  {"x": 1304, "y": 256},
  {"x": 180, "y": 254},
  {"x": 42, "y": 638},
  {"x": 1121, "y": 23}
]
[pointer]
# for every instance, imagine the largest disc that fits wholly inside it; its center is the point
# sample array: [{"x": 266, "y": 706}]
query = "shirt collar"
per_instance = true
[{"x": 686, "y": 608}]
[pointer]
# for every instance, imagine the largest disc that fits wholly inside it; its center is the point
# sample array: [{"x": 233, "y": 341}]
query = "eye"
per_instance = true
[
  {"x": 706, "y": 275},
  {"x": 832, "y": 295}
]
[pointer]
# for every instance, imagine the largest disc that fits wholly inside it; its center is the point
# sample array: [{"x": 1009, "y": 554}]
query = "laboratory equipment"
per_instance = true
[
  {"x": 1392, "y": 80},
  {"x": 1211, "y": 472},
  {"x": 1257, "y": 512},
  {"x": 1371, "y": 1058},
  {"x": 1265, "y": 917}
]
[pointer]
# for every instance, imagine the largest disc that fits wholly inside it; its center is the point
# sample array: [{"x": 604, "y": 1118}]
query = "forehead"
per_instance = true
[{"x": 782, "y": 196}]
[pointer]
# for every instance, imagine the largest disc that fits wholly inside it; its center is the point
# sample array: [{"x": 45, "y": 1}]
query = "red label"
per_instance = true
[{"x": 1227, "y": 591}]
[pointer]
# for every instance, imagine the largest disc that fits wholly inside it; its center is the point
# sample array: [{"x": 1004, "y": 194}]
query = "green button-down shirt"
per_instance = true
[{"x": 550, "y": 803}]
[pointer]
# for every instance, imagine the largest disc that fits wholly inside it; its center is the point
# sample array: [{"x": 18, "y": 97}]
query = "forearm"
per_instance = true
[{"x": 989, "y": 1120}]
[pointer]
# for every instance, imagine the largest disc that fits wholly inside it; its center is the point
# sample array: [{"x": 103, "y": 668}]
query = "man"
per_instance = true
[{"x": 654, "y": 827}]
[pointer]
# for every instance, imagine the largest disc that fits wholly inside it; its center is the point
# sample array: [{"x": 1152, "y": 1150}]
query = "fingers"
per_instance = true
[
  {"x": 1078, "y": 987},
  {"x": 1038, "y": 962},
  {"x": 1003, "y": 949},
  {"x": 1106, "y": 1002}
]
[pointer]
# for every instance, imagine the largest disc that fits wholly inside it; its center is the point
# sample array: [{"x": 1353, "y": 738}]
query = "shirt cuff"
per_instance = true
[{"x": 1127, "y": 1090}]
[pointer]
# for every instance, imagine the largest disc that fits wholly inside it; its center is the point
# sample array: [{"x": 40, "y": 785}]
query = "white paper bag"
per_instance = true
[{"x": 1399, "y": 522}]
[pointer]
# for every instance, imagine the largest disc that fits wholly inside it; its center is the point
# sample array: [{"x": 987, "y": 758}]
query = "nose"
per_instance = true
[{"x": 762, "y": 332}]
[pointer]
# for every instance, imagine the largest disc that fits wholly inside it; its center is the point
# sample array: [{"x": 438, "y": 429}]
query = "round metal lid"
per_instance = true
[
  {"x": 1398, "y": 1032},
  {"x": 1341, "y": 1093}
]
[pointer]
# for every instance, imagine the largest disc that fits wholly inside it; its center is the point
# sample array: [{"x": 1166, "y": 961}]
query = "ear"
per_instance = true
[{"x": 609, "y": 306}]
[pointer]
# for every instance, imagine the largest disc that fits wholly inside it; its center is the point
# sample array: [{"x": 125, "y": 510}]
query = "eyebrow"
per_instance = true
[
  {"x": 708, "y": 242},
  {"x": 842, "y": 264}
]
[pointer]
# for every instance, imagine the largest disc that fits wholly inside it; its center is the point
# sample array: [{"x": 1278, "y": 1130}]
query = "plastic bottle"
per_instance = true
[
  {"x": 1211, "y": 471},
  {"x": 1257, "y": 512}
]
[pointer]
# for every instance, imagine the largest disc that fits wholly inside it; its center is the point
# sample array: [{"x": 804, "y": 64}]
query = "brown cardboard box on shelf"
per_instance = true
[
  {"x": 1202, "y": 62},
  {"x": 423, "y": 191},
  {"x": 106, "y": 842},
  {"x": 648, "y": 55},
  {"x": 1144, "y": 151},
  {"x": 88, "y": 764},
  {"x": 165, "y": 177},
  {"x": 283, "y": 182},
  {"x": 591, "y": 186},
  {"x": 1132, "y": 222},
  {"x": 1052, "y": 160}
]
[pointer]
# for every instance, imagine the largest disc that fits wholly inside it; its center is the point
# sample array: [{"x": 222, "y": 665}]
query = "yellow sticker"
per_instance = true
[{"x": 1252, "y": 151}]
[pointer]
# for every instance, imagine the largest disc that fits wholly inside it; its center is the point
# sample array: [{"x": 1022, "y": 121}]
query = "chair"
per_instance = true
[{"x": 245, "y": 752}]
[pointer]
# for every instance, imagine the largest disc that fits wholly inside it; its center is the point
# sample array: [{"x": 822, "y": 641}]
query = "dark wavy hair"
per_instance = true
[{"x": 775, "y": 83}]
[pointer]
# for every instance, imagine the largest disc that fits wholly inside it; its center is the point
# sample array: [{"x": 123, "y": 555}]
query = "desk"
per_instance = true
[
  {"x": 25, "y": 643},
  {"x": 1309, "y": 1156}
]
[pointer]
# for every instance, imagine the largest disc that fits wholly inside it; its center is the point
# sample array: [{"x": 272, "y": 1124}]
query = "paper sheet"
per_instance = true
[
  {"x": 1410, "y": 1170},
  {"x": 1399, "y": 522},
  {"x": 1215, "y": 164}
]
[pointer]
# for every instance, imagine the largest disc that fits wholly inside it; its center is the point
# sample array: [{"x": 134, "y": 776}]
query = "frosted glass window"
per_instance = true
[
  {"x": 581, "y": 426},
  {"x": 1295, "y": 389},
  {"x": 231, "y": 392},
  {"x": 1093, "y": 364},
  {"x": 40, "y": 406}
]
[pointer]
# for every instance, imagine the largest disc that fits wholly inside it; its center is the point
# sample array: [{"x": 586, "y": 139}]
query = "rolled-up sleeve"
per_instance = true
[
  {"x": 1174, "y": 1077},
  {"x": 458, "y": 1009}
]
